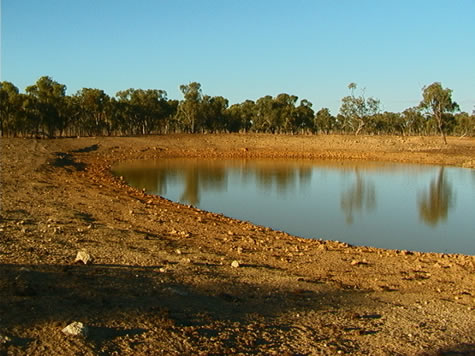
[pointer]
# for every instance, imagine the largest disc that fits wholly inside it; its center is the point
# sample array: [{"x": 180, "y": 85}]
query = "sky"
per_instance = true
[{"x": 245, "y": 49}]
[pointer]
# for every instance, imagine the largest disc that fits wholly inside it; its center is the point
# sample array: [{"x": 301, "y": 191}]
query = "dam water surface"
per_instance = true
[{"x": 387, "y": 205}]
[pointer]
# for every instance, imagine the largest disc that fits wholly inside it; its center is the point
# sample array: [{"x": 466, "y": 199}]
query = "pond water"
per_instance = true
[{"x": 395, "y": 206}]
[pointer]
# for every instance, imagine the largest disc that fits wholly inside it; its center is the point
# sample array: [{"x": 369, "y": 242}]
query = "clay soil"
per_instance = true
[{"x": 162, "y": 281}]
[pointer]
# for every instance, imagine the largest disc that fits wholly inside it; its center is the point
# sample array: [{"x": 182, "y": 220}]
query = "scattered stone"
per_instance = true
[
  {"x": 185, "y": 234},
  {"x": 76, "y": 329},
  {"x": 239, "y": 250},
  {"x": 4, "y": 339},
  {"x": 83, "y": 257},
  {"x": 359, "y": 263},
  {"x": 230, "y": 233},
  {"x": 178, "y": 251},
  {"x": 235, "y": 264}
]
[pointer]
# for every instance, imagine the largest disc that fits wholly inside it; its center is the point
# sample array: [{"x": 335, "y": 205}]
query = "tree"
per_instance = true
[
  {"x": 304, "y": 115},
  {"x": 213, "y": 110},
  {"x": 438, "y": 101},
  {"x": 189, "y": 113},
  {"x": 47, "y": 105},
  {"x": 264, "y": 114},
  {"x": 283, "y": 113},
  {"x": 93, "y": 113},
  {"x": 357, "y": 109},
  {"x": 10, "y": 108},
  {"x": 143, "y": 111},
  {"x": 465, "y": 124},
  {"x": 324, "y": 121},
  {"x": 241, "y": 116},
  {"x": 414, "y": 120}
]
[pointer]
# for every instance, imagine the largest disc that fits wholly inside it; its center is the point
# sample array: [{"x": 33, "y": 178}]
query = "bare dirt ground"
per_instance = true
[{"x": 162, "y": 282}]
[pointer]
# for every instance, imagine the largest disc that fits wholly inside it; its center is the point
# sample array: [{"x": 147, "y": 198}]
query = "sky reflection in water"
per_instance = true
[{"x": 422, "y": 208}]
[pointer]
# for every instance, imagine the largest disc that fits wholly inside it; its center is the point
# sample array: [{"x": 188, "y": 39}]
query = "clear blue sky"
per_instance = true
[{"x": 245, "y": 49}]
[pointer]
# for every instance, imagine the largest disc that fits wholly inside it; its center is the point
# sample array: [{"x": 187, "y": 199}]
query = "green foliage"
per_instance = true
[
  {"x": 438, "y": 101},
  {"x": 142, "y": 112},
  {"x": 46, "y": 110},
  {"x": 11, "y": 109},
  {"x": 189, "y": 113},
  {"x": 325, "y": 122},
  {"x": 46, "y": 106},
  {"x": 357, "y": 110}
]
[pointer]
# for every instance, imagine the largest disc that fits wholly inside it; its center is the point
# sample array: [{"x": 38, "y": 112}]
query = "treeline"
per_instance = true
[{"x": 45, "y": 110}]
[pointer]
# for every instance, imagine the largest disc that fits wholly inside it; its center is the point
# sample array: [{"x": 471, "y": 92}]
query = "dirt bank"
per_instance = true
[{"x": 162, "y": 280}]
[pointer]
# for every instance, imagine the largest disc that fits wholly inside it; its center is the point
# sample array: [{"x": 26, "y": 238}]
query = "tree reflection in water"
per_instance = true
[
  {"x": 201, "y": 176},
  {"x": 434, "y": 204},
  {"x": 361, "y": 195},
  {"x": 283, "y": 177}
]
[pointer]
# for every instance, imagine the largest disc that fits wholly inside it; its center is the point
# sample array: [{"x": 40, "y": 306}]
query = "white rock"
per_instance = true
[
  {"x": 235, "y": 264},
  {"x": 83, "y": 257},
  {"x": 4, "y": 339},
  {"x": 76, "y": 328}
]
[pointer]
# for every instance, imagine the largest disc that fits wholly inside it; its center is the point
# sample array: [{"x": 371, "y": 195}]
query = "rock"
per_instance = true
[
  {"x": 83, "y": 257},
  {"x": 185, "y": 234},
  {"x": 76, "y": 329},
  {"x": 359, "y": 263},
  {"x": 4, "y": 339},
  {"x": 235, "y": 264}
]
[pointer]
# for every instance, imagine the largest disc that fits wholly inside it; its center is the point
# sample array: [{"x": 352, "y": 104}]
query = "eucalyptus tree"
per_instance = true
[
  {"x": 47, "y": 105},
  {"x": 284, "y": 114},
  {"x": 248, "y": 114},
  {"x": 277, "y": 114},
  {"x": 241, "y": 116},
  {"x": 94, "y": 117},
  {"x": 357, "y": 110},
  {"x": 11, "y": 102},
  {"x": 213, "y": 111},
  {"x": 324, "y": 121},
  {"x": 304, "y": 116},
  {"x": 189, "y": 110},
  {"x": 388, "y": 123},
  {"x": 264, "y": 117},
  {"x": 170, "y": 121},
  {"x": 142, "y": 111},
  {"x": 414, "y": 121},
  {"x": 465, "y": 124},
  {"x": 438, "y": 101}
]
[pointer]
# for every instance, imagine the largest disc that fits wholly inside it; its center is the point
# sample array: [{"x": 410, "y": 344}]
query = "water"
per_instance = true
[{"x": 396, "y": 206}]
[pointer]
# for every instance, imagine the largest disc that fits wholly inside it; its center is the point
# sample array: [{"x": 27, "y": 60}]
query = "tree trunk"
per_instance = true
[
  {"x": 441, "y": 129},
  {"x": 360, "y": 126}
]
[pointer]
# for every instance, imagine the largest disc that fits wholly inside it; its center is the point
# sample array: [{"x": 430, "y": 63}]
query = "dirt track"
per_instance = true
[{"x": 162, "y": 281}]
